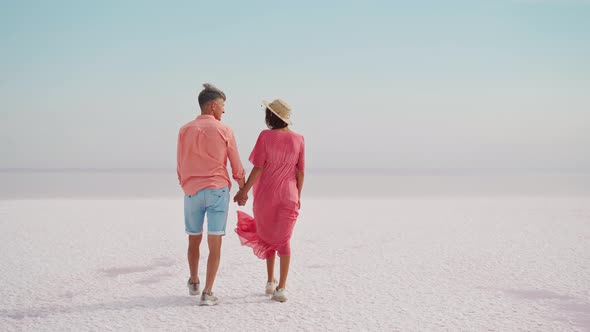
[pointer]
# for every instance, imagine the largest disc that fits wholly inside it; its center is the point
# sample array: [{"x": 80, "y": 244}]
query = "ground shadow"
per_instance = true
[
  {"x": 156, "y": 263},
  {"x": 131, "y": 303},
  {"x": 577, "y": 311}
]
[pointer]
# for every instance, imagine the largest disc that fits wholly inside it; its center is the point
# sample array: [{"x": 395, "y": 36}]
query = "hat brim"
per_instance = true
[{"x": 267, "y": 104}]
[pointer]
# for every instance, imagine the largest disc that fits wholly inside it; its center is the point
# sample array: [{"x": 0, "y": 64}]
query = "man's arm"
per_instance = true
[
  {"x": 178, "y": 152},
  {"x": 238, "y": 172}
]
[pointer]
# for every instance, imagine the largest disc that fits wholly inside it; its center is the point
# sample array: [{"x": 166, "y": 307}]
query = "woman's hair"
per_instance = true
[{"x": 273, "y": 121}]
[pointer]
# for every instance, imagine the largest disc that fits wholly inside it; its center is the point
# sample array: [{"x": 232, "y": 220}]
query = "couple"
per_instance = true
[{"x": 204, "y": 145}]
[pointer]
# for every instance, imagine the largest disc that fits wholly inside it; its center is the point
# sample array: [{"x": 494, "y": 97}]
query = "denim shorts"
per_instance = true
[{"x": 213, "y": 202}]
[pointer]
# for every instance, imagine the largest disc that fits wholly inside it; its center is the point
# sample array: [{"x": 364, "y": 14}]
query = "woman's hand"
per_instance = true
[{"x": 241, "y": 197}]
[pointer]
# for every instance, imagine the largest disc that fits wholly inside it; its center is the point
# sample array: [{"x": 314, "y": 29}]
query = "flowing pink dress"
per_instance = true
[{"x": 276, "y": 199}]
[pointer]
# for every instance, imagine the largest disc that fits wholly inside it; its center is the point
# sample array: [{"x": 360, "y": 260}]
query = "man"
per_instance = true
[{"x": 204, "y": 145}]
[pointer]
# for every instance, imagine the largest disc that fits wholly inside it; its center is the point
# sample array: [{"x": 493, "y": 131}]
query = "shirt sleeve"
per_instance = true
[
  {"x": 258, "y": 155},
  {"x": 237, "y": 169},
  {"x": 301, "y": 161},
  {"x": 178, "y": 152}
]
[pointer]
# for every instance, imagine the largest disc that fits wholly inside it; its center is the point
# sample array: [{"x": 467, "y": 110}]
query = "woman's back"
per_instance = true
[
  {"x": 283, "y": 147},
  {"x": 280, "y": 153},
  {"x": 279, "y": 162}
]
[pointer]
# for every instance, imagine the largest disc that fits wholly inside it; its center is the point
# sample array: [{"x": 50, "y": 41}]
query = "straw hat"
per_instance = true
[{"x": 280, "y": 108}]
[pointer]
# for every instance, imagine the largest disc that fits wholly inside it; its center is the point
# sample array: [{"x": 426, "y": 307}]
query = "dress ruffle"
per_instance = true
[{"x": 246, "y": 231}]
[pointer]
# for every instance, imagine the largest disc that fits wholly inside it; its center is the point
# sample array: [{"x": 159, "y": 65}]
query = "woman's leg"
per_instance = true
[
  {"x": 270, "y": 267},
  {"x": 285, "y": 260}
]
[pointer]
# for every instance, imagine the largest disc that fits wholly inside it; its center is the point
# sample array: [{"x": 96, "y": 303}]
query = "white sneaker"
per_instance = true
[
  {"x": 280, "y": 295},
  {"x": 271, "y": 286},
  {"x": 208, "y": 299},
  {"x": 193, "y": 289}
]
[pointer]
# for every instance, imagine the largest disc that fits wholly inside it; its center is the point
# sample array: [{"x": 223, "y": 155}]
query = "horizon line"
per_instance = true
[{"x": 323, "y": 170}]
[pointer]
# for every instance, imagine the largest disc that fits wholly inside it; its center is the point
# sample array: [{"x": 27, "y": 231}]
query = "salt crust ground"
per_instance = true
[{"x": 398, "y": 264}]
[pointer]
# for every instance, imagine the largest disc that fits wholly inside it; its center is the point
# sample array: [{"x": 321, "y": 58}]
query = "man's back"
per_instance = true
[{"x": 204, "y": 146}]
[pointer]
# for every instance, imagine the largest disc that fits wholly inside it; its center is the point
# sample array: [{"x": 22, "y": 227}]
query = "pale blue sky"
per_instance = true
[{"x": 388, "y": 84}]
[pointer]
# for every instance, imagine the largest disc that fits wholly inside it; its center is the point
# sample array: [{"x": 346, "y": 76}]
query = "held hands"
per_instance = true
[{"x": 241, "y": 197}]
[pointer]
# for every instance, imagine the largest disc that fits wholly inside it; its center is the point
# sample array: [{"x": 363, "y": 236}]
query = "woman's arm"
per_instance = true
[
  {"x": 300, "y": 168},
  {"x": 242, "y": 195},
  {"x": 300, "y": 177}
]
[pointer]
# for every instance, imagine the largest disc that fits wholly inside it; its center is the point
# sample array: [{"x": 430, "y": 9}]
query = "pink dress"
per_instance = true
[{"x": 276, "y": 200}]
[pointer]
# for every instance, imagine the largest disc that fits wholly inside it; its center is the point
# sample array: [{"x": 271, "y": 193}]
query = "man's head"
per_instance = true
[{"x": 212, "y": 101}]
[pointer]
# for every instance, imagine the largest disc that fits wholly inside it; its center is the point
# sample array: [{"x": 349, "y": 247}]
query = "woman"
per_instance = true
[{"x": 277, "y": 177}]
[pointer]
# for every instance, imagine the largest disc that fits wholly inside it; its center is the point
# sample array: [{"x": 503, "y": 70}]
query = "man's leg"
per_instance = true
[
  {"x": 217, "y": 207},
  {"x": 194, "y": 241},
  {"x": 214, "y": 242},
  {"x": 194, "y": 215}
]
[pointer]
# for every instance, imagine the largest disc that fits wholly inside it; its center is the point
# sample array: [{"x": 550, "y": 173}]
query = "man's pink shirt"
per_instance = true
[{"x": 204, "y": 145}]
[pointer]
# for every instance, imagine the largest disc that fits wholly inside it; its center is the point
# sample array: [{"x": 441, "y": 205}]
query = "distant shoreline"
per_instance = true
[{"x": 325, "y": 171}]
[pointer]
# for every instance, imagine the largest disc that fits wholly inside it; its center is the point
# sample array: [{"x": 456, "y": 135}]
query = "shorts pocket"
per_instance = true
[
  {"x": 218, "y": 199},
  {"x": 219, "y": 192}
]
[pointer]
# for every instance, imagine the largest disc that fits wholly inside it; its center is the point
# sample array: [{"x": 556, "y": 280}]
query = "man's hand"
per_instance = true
[{"x": 241, "y": 197}]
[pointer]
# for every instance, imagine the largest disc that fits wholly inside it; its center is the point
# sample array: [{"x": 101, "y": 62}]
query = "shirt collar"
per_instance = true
[{"x": 206, "y": 116}]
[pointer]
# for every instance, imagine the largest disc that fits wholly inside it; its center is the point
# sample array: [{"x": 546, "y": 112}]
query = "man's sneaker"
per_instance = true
[
  {"x": 208, "y": 299},
  {"x": 193, "y": 288},
  {"x": 280, "y": 295},
  {"x": 271, "y": 286}
]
